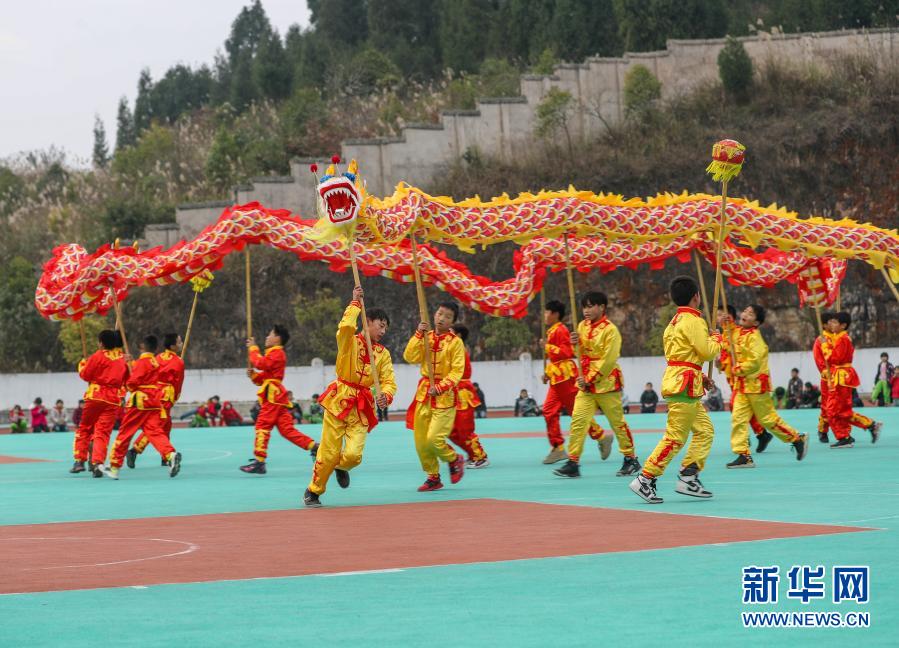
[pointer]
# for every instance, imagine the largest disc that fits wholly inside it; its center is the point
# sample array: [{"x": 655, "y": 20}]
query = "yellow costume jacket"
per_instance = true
[
  {"x": 751, "y": 375},
  {"x": 600, "y": 346},
  {"x": 687, "y": 345},
  {"x": 447, "y": 354}
]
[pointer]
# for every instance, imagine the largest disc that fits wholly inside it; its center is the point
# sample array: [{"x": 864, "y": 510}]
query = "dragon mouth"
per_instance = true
[{"x": 341, "y": 199}]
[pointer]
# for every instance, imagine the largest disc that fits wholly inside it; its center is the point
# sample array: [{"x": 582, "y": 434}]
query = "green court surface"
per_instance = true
[{"x": 688, "y": 595}]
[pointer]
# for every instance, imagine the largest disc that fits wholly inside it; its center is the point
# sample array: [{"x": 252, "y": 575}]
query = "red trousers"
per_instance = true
[
  {"x": 97, "y": 421},
  {"x": 856, "y": 419},
  {"x": 838, "y": 410},
  {"x": 143, "y": 440},
  {"x": 151, "y": 423},
  {"x": 464, "y": 436},
  {"x": 272, "y": 416},
  {"x": 757, "y": 428},
  {"x": 561, "y": 397}
]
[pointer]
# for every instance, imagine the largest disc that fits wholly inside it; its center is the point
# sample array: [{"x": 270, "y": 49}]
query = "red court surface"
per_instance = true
[
  {"x": 6, "y": 459},
  {"x": 271, "y": 544}
]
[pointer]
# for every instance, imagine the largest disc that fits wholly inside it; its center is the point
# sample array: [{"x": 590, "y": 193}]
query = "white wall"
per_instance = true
[{"x": 501, "y": 381}]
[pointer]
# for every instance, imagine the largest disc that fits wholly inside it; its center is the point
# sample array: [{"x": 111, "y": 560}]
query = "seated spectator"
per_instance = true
[
  {"x": 894, "y": 389},
  {"x": 714, "y": 400},
  {"x": 297, "y": 410},
  {"x": 39, "y": 416},
  {"x": 882, "y": 394},
  {"x": 254, "y": 411},
  {"x": 649, "y": 399},
  {"x": 58, "y": 417},
  {"x": 780, "y": 398},
  {"x": 17, "y": 420},
  {"x": 481, "y": 410},
  {"x": 794, "y": 389},
  {"x": 525, "y": 405},
  {"x": 214, "y": 411},
  {"x": 811, "y": 397},
  {"x": 857, "y": 400},
  {"x": 230, "y": 416},
  {"x": 77, "y": 413},
  {"x": 201, "y": 417},
  {"x": 316, "y": 411}
]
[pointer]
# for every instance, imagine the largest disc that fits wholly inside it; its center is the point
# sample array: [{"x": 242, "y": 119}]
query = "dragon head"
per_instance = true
[{"x": 340, "y": 194}]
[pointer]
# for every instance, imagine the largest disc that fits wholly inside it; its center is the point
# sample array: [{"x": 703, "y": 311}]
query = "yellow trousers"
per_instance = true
[
  {"x": 432, "y": 426},
  {"x": 585, "y": 406},
  {"x": 760, "y": 405},
  {"x": 683, "y": 418},
  {"x": 341, "y": 447}
]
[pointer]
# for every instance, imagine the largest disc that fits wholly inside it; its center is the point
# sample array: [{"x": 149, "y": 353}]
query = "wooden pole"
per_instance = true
[
  {"x": 119, "y": 323},
  {"x": 190, "y": 323},
  {"x": 730, "y": 337},
  {"x": 718, "y": 256},
  {"x": 702, "y": 291},
  {"x": 422, "y": 307},
  {"x": 543, "y": 325},
  {"x": 83, "y": 338},
  {"x": 571, "y": 298},
  {"x": 246, "y": 254},
  {"x": 371, "y": 356},
  {"x": 821, "y": 333},
  {"x": 839, "y": 307},
  {"x": 886, "y": 275}
]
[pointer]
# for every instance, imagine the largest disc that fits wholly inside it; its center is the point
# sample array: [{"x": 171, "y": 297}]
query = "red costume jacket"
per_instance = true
[
  {"x": 171, "y": 376},
  {"x": 466, "y": 396},
  {"x": 270, "y": 368},
  {"x": 560, "y": 354},
  {"x": 105, "y": 372},
  {"x": 142, "y": 383},
  {"x": 837, "y": 352}
]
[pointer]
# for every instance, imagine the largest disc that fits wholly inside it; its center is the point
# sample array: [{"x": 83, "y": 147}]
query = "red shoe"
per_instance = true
[
  {"x": 430, "y": 485},
  {"x": 457, "y": 469}
]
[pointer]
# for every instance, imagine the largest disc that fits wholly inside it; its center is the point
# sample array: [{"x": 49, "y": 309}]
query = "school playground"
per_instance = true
[{"x": 511, "y": 556}]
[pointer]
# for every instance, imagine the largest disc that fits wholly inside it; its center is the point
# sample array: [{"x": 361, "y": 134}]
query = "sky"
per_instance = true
[{"x": 63, "y": 62}]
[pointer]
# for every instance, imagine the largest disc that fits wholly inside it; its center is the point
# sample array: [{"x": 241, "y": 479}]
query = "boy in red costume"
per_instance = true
[
  {"x": 463, "y": 434},
  {"x": 833, "y": 353},
  {"x": 143, "y": 410},
  {"x": 268, "y": 372},
  {"x": 170, "y": 382},
  {"x": 561, "y": 373},
  {"x": 105, "y": 372}
]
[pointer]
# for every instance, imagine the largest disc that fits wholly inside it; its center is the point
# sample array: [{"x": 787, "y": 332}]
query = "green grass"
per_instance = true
[{"x": 680, "y": 596}]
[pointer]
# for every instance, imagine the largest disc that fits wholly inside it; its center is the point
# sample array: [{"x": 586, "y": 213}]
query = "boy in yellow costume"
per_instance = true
[
  {"x": 752, "y": 384},
  {"x": 687, "y": 344},
  {"x": 433, "y": 411},
  {"x": 599, "y": 386},
  {"x": 348, "y": 401}
]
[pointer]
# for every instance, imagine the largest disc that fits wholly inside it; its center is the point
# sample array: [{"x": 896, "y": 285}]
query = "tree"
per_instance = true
[
  {"x": 406, "y": 32},
  {"x": 641, "y": 90},
  {"x": 316, "y": 317},
  {"x": 367, "y": 72},
  {"x": 179, "y": 91},
  {"x": 70, "y": 337},
  {"x": 499, "y": 78},
  {"x": 143, "y": 111},
  {"x": 461, "y": 22},
  {"x": 582, "y": 28},
  {"x": 735, "y": 69},
  {"x": 243, "y": 88},
  {"x": 505, "y": 337},
  {"x": 12, "y": 191},
  {"x": 521, "y": 29},
  {"x": 248, "y": 31},
  {"x": 100, "y": 154},
  {"x": 124, "y": 135},
  {"x": 24, "y": 334},
  {"x": 272, "y": 73},
  {"x": 654, "y": 344},
  {"x": 553, "y": 113},
  {"x": 342, "y": 23}
]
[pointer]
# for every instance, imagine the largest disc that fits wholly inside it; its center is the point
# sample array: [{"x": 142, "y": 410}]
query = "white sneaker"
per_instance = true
[
  {"x": 645, "y": 488},
  {"x": 472, "y": 464},
  {"x": 605, "y": 445},
  {"x": 690, "y": 485},
  {"x": 875, "y": 431},
  {"x": 108, "y": 471}
]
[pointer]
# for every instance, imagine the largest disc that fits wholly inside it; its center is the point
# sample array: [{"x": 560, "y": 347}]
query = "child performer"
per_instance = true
[
  {"x": 834, "y": 351},
  {"x": 143, "y": 410},
  {"x": 171, "y": 380},
  {"x": 687, "y": 344},
  {"x": 348, "y": 401},
  {"x": 724, "y": 363},
  {"x": 433, "y": 411},
  {"x": 463, "y": 434},
  {"x": 105, "y": 372},
  {"x": 599, "y": 386},
  {"x": 561, "y": 374},
  {"x": 268, "y": 372},
  {"x": 752, "y": 382}
]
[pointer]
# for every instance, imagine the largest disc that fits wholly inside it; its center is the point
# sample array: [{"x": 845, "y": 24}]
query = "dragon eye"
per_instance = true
[{"x": 350, "y": 176}]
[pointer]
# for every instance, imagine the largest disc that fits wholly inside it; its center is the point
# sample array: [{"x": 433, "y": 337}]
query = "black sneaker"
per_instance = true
[
  {"x": 343, "y": 477},
  {"x": 77, "y": 467},
  {"x": 688, "y": 484},
  {"x": 130, "y": 457},
  {"x": 763, "y": 440},
  {"x": 313, "y": 450},
  {"x": 175, "y": 465},
  {"x": 165, "y": 462},
  {"x": 97, "y": 470},
  {"x": 254, "y": 467},
  {"x": 847, "y": 442},
  {"x": 569, "y": 469},
  {"x": 630, "y": 466},
  {"x": 311, "y": 500},
  {"x": 801, "y": 447},
  {"x": 875, "y": 431},
  {"x": 742, "y": 461},
  {"x": 645, "y": 488},
  {"x": 823, "y": 438}
]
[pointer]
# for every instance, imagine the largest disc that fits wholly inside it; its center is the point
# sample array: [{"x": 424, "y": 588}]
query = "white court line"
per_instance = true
[
  {"x": 227, "y": 454},
  {"x": 360, "y": 573},
  {"x": 190, "y": 549}
]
